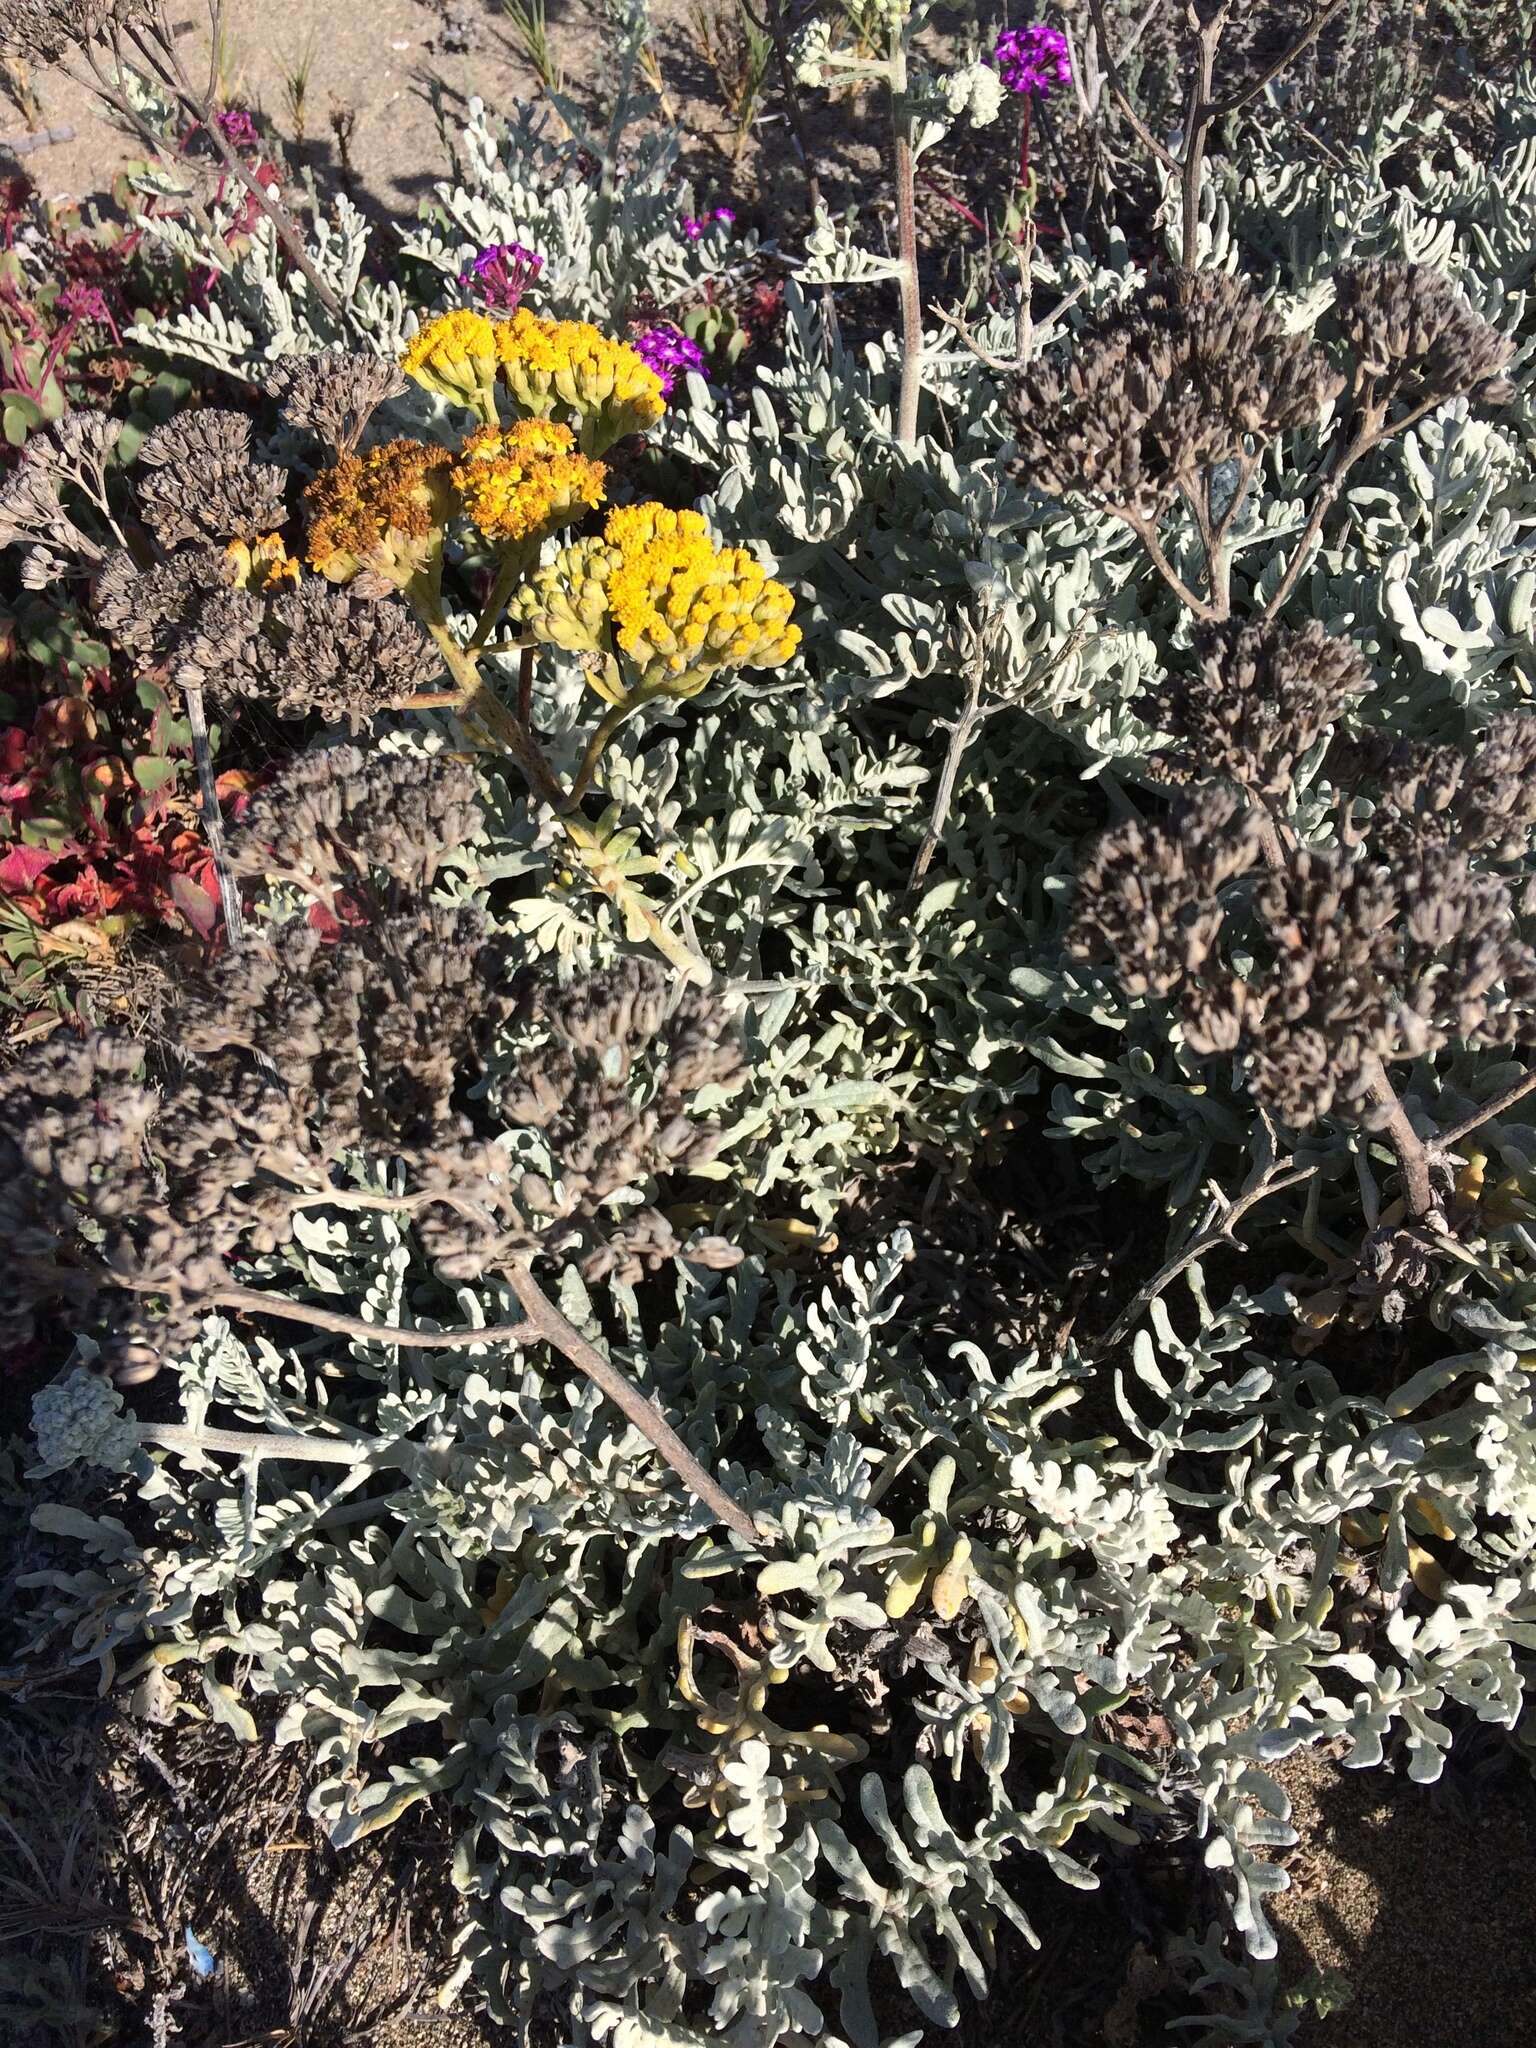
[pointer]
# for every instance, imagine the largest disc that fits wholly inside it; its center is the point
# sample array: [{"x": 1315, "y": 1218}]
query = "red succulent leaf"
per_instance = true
[
  {"x": 197, "y": 898},
  {"x": 25, "y": 865},
  {"x": 89, "y": 896}
]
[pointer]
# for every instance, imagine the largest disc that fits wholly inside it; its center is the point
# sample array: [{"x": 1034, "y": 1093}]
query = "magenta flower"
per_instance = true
[
  {"x": 695, "y": 224},
  {"x": 86, "y": 305},
  {"x": 238, "y": 128},
  {"x": 669, "y": 353},
  {"x": 1033, "y": 59},
  {"x": 501, "y": 274}
]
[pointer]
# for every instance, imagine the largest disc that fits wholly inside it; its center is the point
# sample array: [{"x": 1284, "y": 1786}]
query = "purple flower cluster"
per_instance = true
[
  {"x": 1033, "y": 59},
  {"x": 501, "y": 274},
  {"x": 238, "y": 128},
  {"x": 669, "y": 353},
  {"x": 695, "y": 224},
  {"x": 87, "y": 303}
]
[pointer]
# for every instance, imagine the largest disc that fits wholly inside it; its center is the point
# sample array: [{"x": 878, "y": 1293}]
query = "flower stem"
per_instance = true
[
  {"x": 478, "y": 706},
  {"x": 596, "y": 747},
  {"x": 1412, "y": 1152},
  {"x": 906, "y": 232},
  {"x": 213, "y": 821}
]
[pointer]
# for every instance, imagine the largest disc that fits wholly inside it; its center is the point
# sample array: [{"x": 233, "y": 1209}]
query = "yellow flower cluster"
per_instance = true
[
  {"x": 555, "y": 366},
  {"x": 667, "y": 606},
  {"x": 522, "y": 482},
  {"x": 455, "y": 355},
  {"x": 383, "y": 511},
  {"x": 562, "y": 369}
]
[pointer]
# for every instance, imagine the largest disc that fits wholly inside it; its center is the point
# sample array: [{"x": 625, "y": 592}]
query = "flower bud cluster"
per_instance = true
[{"x": 565, "y": 370}]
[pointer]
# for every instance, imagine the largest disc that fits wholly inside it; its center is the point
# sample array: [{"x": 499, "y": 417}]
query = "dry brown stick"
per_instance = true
[
  {"x": 541, "y": 1319},
  {"x": 961, "y": 733},
  {"x": 1283, "y": 1174},
  {"x": 1204, "y": 110},
  {"x": 1366, "y": 437},
  {"x": 1411, "y": 1150},
  {"x": 1373, "y": 432},
  {"x": 1489, "y": 1113},
  {"x": 1299, "y": 48},
  {"x": 1197, "y": 128},
  {"x": 1146, "y": 533},
  {"x": 172, "y": 75},
  {"x": 911, "y": 289},
  {"x": 1273, "y": 1181},
  {"x": 1127, "y": 105}
]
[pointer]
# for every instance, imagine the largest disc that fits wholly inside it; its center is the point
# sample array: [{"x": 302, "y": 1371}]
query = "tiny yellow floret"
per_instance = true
[{"x": 666, "y": 606}]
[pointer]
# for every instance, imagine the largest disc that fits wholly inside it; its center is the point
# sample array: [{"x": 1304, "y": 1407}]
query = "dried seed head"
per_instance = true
[
  {"x": 1147, "y": 895},
  {"x": 51, "y": 29},
  {"x": 299, "y": 1051},
  {"x": 1185, "y": 376},
  {"x": 1379, "y": 963},
  {"x": 1414, "y": 335},
  {"x": 330, "y": 652},
  {"x": 223, "y": 631},
  {"x": 153, "y": 612},
  {"x": 32, "y": 507},
  {"x": 1323, "y": 1010},
  {"x": 1261, "y": 697},
  {"x": 1483, "y": 801},
  {"x": 333, "y": 395},
  {"x": 203, "y": 483},
  {"x": 336, "y": 813}
]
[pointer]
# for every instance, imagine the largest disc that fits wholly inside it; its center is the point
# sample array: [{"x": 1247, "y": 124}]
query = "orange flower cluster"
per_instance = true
[{"x": 383, "y": 511}]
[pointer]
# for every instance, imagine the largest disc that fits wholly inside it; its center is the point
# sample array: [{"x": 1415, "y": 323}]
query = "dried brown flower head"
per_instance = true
[
  {"x": 50, "y": 29},
  {"x": 1186, "y": 375},
  {"x": 1370, "y": 962},
  {"x": 1483, "y": 800},
  {"x": 335, "y": 814},
  {"x": 1147, "y": 895},
  {"x": 330, "y": 652},
  {"x": 1323, "y": 1009},
  {"x": 1261, "y": 697},
  {"x": 152, "y": 612},
  {"x": 73, "y": 452},
  {"x": 127, "y": 1201},
  {"x": 334, "y": 394},
  {"x": 204, "y": 484},
  {"x": 1415, "y": 338}
]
